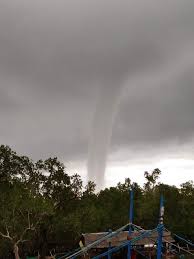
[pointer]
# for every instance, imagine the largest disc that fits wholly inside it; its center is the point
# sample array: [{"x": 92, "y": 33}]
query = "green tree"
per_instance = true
[
  {"x": 151, "y": 179},
  {"x": 89, "y": 189},
  {"x": 13, "y": 166},
  {"x": 21, "y": 213}
]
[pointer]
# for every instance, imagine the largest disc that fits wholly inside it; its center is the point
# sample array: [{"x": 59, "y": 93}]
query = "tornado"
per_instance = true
[{"x": 101, "y": 132}]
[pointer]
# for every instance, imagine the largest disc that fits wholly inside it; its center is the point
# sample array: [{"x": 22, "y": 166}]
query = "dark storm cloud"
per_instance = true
[
  {"x": 162, "y": 111},
  {"x": 57, "y": 56}
]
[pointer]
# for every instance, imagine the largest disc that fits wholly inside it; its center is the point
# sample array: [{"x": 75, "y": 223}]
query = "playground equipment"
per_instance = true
[{"x": 133, "y": 238}]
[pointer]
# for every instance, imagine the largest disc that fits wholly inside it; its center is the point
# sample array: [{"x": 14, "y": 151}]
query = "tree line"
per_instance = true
[{"x": 45, "y": 210}]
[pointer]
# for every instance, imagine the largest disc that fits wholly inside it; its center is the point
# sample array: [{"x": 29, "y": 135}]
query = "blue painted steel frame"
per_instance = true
[
  {"x": 130, "y": 221},
  {"x": 160, "y": 228},
  {"x": 109, "y": 246},
  {"x": 125, "y": 244}
]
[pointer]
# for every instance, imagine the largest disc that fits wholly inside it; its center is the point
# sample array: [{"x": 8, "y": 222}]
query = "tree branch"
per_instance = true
[
  {"x": 7, "y": 230},
  {"x": 6, "y": 236},
  {"x": 22, "y": 235},
  {"x": 29, "y": 226}
]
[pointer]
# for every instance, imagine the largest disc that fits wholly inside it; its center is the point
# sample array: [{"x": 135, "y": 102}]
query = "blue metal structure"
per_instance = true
[
  {"x": 131, "y": 207},
  {"x": 125, "y": 244},
  {"x": 130, "y": 221},
  {"x": 128, "y": 243},
  {"x": 160, "y": 228},
  {"x": 109, "y": 246}
]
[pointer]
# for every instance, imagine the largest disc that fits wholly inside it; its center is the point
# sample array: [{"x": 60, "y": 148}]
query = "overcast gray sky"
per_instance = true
[{"x": 59, "y": 58}]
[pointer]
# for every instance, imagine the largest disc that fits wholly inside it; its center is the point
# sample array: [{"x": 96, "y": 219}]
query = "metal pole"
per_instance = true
[
  {"x": 131, "y": 207},
  {"x": 160, "y": 228},
  {"x": 130, "y": 221},
  {"x": 109, "y": 246}
]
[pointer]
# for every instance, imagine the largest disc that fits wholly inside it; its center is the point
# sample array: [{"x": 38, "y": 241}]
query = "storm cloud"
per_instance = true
[{"x": 57, "y": 58}]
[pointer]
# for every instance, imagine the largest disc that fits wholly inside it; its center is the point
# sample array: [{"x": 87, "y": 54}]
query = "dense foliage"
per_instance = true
[{"x": 43, "y": 208}]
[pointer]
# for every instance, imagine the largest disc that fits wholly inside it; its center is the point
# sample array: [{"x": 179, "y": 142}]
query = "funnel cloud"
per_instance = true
[{"x": 102, "y": 131}]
